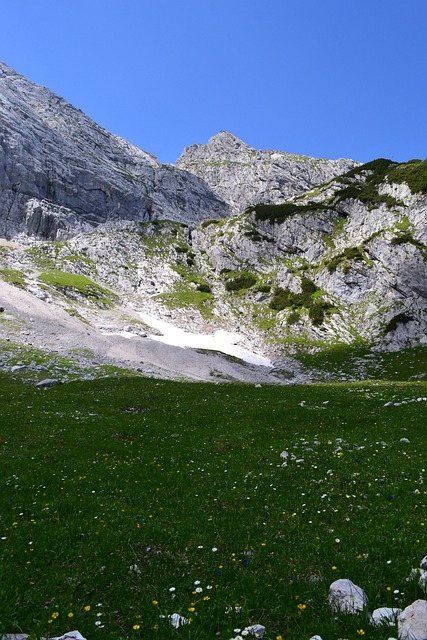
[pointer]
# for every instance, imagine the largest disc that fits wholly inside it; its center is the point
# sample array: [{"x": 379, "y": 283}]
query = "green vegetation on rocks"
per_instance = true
[
  {"x": 278, "y": 213},
  {"x": 13, "y": 276},
  {"x": 72, "y": 284}
]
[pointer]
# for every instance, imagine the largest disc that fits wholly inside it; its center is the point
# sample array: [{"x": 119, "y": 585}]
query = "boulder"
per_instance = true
[
  {"x": 412, "y": 622},
  {"x": 347, "y": 597},
  {"x": 384, "y": 616}
]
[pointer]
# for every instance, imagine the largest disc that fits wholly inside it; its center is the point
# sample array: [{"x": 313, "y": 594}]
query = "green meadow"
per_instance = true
[{"x": 126, "y": 500}]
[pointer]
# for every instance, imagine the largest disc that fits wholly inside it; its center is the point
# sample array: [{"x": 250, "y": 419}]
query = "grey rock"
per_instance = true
[
  {"x": 176, "y": 620},
  {"x": 256, "y": 630},
  {"x": 60, "y": 173},
  {"x": 384, "y": 616},
  {"x": 243, "y": 176},
  {"x": 412, "y": 622},
  {"x": 346, "y": 597},
  {"x": 48, "y": 382}
]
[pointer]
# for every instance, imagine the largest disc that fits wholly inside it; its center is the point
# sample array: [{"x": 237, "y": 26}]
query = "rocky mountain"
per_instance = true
[
  {"x": 343, "y": 263},
  {"x": 243, "y": 176},
  {"x": 60, "y": 173}
]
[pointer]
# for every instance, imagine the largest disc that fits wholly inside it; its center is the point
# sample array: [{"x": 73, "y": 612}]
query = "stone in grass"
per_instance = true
[
  {"x": 420, "y": 575},
  {"x": 49, "y": 382},
  {"x": 177, "y": 621},
  {"x": 316, "y": 638},
  {"x": 384, "y": 616},
  {"x": 256, "y": 630},
  {"x": 347, "y": 597},
  {"x": 412, "y": 622},
  {"x": 70, "y": 635},
  {"x": 423, "y": 563}
]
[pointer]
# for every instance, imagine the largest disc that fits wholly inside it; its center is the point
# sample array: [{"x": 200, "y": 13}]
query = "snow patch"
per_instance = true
[{"x": 223, "y": 341}]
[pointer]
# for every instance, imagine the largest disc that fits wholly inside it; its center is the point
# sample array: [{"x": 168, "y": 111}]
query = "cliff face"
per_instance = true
[
  {"x": 243, "y": 176},
  {"x": 303, "y": 265},
  {"x": 60, "y": 173}
]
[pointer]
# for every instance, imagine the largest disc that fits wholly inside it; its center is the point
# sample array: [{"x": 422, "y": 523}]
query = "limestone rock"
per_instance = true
[
  {"x": 177, "y": 620},
  {"x": 48, "y": 382},
  {"x": 243, "y": 176},
  {"x": 384, "y": 616},
  {"x": 412, "y": 622},
  {"x": 346, "y": 597},
  {"x": 60, "y": 173}
]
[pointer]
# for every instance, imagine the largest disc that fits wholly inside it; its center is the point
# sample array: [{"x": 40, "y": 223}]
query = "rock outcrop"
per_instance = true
[
  {"x": 243, "y": 176},
  {"x": 60, "y": 173}
]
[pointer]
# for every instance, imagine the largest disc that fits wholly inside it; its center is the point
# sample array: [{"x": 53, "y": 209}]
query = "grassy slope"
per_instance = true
[{"x": 100, "y": 476}]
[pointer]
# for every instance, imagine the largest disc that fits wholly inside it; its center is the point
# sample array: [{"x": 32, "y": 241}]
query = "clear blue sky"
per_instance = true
[{"x": 327, "y": 78}]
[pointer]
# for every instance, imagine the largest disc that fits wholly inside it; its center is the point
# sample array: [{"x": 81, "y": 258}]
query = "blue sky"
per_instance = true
[{"x": 327, "y": 78}]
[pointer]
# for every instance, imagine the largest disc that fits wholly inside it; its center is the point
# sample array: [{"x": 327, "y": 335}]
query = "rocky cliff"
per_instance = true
[
  {"x": 60, "y": 173},
  {"x": 339, "y": 263},
  {"x": 243, "y": 176}
]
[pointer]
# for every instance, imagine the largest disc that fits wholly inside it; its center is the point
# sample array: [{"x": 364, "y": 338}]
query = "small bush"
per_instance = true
[
  {"x": 351, "y": 253},
  {"x": 243, "y": 281},
  {"x": 264, "y": 288},
  {"x": 204, "y": 288},
  {"x": 401, "y": 318},
  {"x": 278, "y": 213}
]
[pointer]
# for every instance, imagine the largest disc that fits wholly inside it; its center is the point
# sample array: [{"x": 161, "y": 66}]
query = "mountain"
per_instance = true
[
  {"x": 103, "y": 242},
  {"x": 243, "y": 176},
  {"x": 60, "y": 173}
]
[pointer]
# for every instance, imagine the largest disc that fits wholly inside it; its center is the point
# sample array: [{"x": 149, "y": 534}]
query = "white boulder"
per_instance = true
[
  {"x": 347, "y": 597},
  {"x": 385, "y": 616},
  {"x": 412, "y": 622}
]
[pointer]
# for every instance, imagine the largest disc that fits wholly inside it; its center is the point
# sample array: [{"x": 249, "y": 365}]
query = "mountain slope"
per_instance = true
[
  {"x": 61, "y": 173},
  {"x": 243, "y": 176}
]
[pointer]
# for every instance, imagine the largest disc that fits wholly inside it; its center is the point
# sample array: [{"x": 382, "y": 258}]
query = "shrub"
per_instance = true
[
  {"x": 204, "y": 288},
  {"x": 401, "y": 318},
  {"x": 351, "y": 253},
  {"x": 278, "y": 213},
  {"x": 242, "y": 281}
]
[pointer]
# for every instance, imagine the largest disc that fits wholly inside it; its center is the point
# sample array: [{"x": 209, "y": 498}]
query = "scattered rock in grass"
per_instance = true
[
  {"x": 423, "y": 563},
  {"x": 70, "y": 635},
  {"x": 134, "y": 568},
  {"x": 316, "y": 638},
  {"x": 346, "y": 596},
  {"x": 19, "y": 367},
  {"x": 412, "y": 622},
  {"x": 178, "y": 621},
  {"x": 405, "y": 440},
  {"x": 420, "y": 575},
  {"x": 256, "y": 630},
  {"x": 385, "y": 616},
  {"x": 49, "y": 382},
  {"x": 389, "y": 404}
]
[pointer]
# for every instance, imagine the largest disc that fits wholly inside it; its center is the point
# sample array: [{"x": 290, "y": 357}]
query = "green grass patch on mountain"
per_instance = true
[
  {"x": 72, "y": 284},
  {"x": 127, "y": 500},
  {"x": 14, "y": 277}
]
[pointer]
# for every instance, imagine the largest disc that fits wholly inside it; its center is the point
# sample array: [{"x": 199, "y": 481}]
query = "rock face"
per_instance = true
[
  {"x": 243, "y": 176},
  {"x": 60, "y": 173}
]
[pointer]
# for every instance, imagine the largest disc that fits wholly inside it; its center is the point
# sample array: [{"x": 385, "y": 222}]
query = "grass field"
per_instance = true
[{"x": 124, "y": 501}]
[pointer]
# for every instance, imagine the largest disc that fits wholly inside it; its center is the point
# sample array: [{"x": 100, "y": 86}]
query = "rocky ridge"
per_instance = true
[
  {"x": 342, "y": 263},
  {"x": 243, "y": 176},
  {"x": 60, "y": 173}
]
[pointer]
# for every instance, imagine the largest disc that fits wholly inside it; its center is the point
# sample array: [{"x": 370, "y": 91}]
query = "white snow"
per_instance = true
[{"x": 223, "y": 341}]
